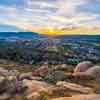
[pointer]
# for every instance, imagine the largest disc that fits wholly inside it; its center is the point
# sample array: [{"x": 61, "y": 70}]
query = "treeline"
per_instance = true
[{"x": 31, "y": 55}]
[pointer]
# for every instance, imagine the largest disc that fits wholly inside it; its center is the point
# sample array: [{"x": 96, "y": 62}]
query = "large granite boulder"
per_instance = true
[
  {"x": 83, "y": 66},
  {"x": 94, "y": 72}
]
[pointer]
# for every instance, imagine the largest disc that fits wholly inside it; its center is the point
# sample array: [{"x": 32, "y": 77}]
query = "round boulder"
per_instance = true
[
  {"x": 83, "y": 66},
  {"x": 91, "y": 73},
  {"x": 94, "y": 72}
]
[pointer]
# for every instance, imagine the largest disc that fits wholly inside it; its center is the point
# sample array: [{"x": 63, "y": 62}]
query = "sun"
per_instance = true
[{"x": 49, "y": 31}]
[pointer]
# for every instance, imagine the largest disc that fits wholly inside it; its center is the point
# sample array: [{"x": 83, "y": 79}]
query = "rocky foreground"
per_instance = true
[{"x": 51, "y": 83}]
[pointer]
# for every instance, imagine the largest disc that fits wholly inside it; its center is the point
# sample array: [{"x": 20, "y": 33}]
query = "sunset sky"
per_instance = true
[{"x": 51, "y": 17}]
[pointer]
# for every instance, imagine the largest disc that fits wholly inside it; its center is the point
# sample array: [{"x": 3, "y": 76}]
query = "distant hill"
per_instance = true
[
  {"x": 34, "y": 35},
  {"x": 25, "y": 35}
]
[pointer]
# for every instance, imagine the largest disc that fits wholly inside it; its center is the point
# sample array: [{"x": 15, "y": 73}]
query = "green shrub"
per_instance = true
[
  {"x": 55, "y": 76},
  {"x": 43, "y": 96}
]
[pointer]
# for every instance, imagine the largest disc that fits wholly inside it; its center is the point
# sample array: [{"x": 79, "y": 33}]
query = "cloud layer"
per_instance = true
[{"x": 28, "y": 14}]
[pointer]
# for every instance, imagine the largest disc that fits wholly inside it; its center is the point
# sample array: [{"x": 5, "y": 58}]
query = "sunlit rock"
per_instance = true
[{"x": 83, "y": 66}]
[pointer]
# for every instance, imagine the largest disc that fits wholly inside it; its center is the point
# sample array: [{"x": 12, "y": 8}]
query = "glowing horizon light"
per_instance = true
[{"x": 52, "y": 17}]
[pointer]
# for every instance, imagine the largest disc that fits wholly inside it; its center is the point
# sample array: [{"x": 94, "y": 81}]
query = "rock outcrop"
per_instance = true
[
  {"x": 45, "y": 81},
  {"x": 29, "y": 76},
  {"x": 35, "y": 87},
  {"x": 75, "y": 87},
  {"x": 80, "y": 97}
]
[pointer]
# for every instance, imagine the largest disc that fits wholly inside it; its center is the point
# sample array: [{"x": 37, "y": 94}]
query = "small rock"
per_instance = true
[
  {"x": 13, "y": 73},
  {"x": 42, "y": 71},
  {"x": 5, "y": 96},
  {"x": 29, "y": 76},
  {"x": 25, "y": 76},
  {"x": 3, "y": 72}
]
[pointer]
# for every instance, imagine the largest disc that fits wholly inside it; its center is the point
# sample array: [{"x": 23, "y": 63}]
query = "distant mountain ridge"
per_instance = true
[
  {"x": 26, "y": 35},
  {"x": 34, "y": 35}
]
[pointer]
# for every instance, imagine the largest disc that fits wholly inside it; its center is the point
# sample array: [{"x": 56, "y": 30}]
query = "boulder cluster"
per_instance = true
[
  {"x": 13, "y": 83},
  {"x": 32, "y": 84}
]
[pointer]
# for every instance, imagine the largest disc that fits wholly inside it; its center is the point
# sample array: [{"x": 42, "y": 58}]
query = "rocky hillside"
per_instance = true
[{"x": 58, "y": 82}]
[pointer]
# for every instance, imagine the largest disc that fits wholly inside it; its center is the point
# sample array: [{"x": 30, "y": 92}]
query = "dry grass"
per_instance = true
[{"x": 23, "y": 68}]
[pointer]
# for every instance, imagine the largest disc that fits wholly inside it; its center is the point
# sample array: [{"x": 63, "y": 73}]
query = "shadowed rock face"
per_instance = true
[
  {"x": 9, "y": 88},
  {"x": 9, "y": 84},
  {"x": 83, "y": 66}
]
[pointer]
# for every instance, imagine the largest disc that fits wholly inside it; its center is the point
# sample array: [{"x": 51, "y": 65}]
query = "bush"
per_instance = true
[
  {"x": 43, "y": 96},
  {"x": 55, "y": 76}
]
